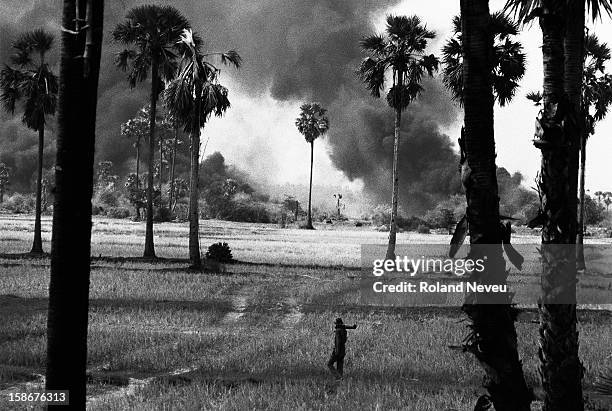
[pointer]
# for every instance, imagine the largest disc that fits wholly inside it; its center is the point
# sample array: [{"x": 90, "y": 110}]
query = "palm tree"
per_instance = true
[
  {"x": 596, "y": 99},
  {"x": 192, "y": 98},
  {"x": 312, "y": 124},
  {"x": 402, "y": 51},
  {"x": 137, "y": 129},
  {"x": 482, "y": 64},
  {"x": 558, "y": 135},
  {"x": 33, "y": 84},
  {"x": 154, "y": 31},
  {"x": 5, "y": 180},
  {"x": 70, "y": 249}
]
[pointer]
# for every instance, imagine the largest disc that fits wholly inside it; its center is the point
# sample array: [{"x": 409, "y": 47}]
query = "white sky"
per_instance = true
[{"x": 266, "y": 123}]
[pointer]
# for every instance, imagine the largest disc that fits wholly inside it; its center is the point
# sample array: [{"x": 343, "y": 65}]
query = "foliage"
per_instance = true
[
  {"x": 5, "y": 177},
  {"x": 154, "y": 31},
  {"x": 401, "y": 49},
  {"x": 118, "y": 212},
  {"x": 135, "y": 192},
  {"x": 195, "y": 94},
  {"x": 594, "y": 212},
  {"x": 441, "y": 217},
  {"x": 507, "y": 63},
  {"x": 423, "y": 229},
  {"x": 220, "y": 252},
  {"x": 32, "y": 82},
  {"x": 312, "y": 122},
  {"x": 19, "y": 204}
]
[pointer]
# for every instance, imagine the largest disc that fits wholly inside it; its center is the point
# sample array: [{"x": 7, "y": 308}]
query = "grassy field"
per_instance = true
[{"x": 257, "y": 335}]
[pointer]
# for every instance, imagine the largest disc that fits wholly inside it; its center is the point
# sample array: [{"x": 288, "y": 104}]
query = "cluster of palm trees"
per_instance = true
[{"x": 165, "y": 47}]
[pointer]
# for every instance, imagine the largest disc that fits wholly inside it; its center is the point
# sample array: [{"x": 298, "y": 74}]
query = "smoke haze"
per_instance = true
[{"x": 292, "y": 51}]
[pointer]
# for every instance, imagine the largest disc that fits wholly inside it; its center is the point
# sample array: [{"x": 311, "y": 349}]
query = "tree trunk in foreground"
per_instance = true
[
  {"x": 70, "y": 244},
  {"x": 309, "y": 217},
  {"x": 37, "y": 244},
  {"x": 493, "y": 339},
  {"x": 560, "y": 367},
  {"x": 149, "y": 251},
  {"x": 395, "y": 193},
  {"x": 194, "y": 193}
]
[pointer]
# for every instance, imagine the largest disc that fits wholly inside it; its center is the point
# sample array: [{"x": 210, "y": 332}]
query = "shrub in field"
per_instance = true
[
  {"x": 162, "y": 215},
  {"x": 423, "y": 229},
  {"x": 118, "y": 212},
  {"x": 220, "y": 252},
  {"x": 20, "y": 204}
]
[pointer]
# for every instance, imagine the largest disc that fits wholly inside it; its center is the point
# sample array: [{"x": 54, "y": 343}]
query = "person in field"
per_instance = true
[{"x": 337, "y": 356}]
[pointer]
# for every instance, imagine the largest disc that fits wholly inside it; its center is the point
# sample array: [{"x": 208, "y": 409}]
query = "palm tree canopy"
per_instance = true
[
  {"x": 32, "y": 82},
  {"x": 312, "y": 122},
  {"x": 525, "y": 10},
  {"x": 402, "y": 49},
  {"x": 154, "y": 32},
  {"x": 597, "y": 90},
  {"x": 195, "y": 94},
  {"x": 507, "y": 65}
]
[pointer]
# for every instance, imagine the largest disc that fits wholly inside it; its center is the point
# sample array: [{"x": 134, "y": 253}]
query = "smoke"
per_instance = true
[{"x": 293, "y": 51}]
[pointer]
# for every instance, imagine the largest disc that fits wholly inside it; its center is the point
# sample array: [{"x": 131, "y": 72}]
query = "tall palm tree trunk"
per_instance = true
[
  {"x": 560, "y": 368},
  {"x": 493, "y": 339},
  {"x": 161, "y": 168},
  {"x": 309, "y": 219},
  {"x": 138, "y": 177},
  {"x": 149, "y": 251},
  {"x": 395, "y": 192},
  {"x": 194, "y": 217},
  {"x": 175, "y": 143},
  {"x": 580, "y": 264},
  {"x": 70, "y": 245},
  {"x": 37, "y": 245}
]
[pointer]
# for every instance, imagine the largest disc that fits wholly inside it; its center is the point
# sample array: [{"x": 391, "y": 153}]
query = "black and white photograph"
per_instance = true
[{"x": 306, "y": 205}]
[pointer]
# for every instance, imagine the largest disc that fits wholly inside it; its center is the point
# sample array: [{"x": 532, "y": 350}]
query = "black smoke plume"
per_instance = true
[{"x": 296, "y": 51}]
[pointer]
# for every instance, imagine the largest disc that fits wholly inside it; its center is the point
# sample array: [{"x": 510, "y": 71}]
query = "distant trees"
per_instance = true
[
  {"x": 5, "y": 180},
  {"x": 154, "y": 31},
  {"x": 312, "y": 124},
  {"x": 31, "y": 82},
  {"x": 191, "y": 98},
  {"x": 402, "y": 51}
]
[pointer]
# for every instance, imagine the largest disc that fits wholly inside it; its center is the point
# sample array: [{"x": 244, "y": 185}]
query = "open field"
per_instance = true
[{"x": 257, "y": 335}]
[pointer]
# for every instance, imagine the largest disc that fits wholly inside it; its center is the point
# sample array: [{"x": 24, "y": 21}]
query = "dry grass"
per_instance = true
[{"x": 257, "y": 336}]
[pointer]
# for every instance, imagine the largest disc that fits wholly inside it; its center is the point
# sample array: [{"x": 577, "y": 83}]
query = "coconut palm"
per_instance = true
[
  {"x": 70, "y": 249},
  {"x": 558, "y": 135},
  {"x": 191, "y": 99},
  {"x": 312, "y": 124},
  {"x": 32, "y": 83},
  {"x": 401, "y": 50},
  {"x": 154, "y": 31},
  {"x": 479, "y": 68}
]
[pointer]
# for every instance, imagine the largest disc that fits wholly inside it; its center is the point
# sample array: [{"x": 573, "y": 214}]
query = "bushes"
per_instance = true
[
  {"x": 20, "y": 204},
  {"x": 220, "y": 252},
  {"x": 118, "y": 212}
]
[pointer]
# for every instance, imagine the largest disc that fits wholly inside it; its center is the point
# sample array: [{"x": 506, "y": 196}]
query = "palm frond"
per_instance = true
[
  {"x": 372, "y": 73},
  {"x": 11, "y": 82},
  {"x": 535, "y": 96},
  {"x": 312, "y": 121},
  {"x": 376, "y": 44}
]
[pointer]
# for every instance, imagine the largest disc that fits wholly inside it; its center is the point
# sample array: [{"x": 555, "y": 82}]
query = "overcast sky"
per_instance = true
[{"x": 266, "y": 122}]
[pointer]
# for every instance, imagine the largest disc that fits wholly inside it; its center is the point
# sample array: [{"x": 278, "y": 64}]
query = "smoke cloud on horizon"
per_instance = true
[{"x": 294, "y": 51}]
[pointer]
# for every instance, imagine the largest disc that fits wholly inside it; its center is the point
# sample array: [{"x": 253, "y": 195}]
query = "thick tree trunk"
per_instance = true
[
  {"x": 194, "y": 193},
  {"x": 493, "y": 339},
  {"x": 309, "y": 217},
  {"x": 37, "y": 244},
  {"x": 580, "y": 264},
  {"x": 149, "y": 251},
  {"x": 70, "y": 245},
  {"x": 174, "y": 146},
  {"x": 395, "y": 191},
  {"x": 560, "y": 368}
]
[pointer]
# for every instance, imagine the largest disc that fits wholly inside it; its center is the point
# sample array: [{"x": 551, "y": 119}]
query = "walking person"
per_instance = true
[{"x": 337, "y": 356}]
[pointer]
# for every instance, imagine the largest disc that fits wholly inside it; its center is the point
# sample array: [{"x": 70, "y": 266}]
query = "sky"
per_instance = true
[{"x": 266, "y": 122}]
